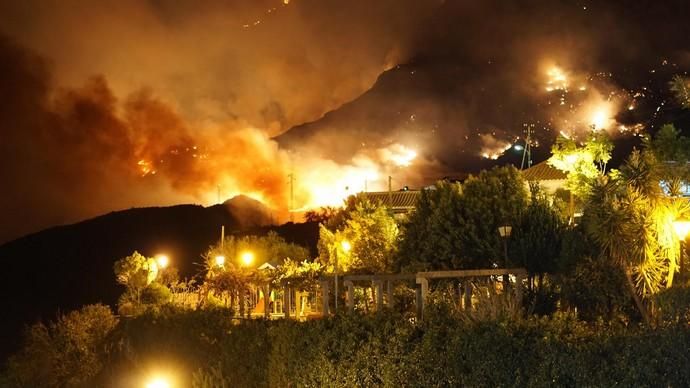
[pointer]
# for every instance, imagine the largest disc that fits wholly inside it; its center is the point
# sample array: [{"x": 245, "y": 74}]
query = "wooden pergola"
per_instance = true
[{"x": 381, "y": 283}]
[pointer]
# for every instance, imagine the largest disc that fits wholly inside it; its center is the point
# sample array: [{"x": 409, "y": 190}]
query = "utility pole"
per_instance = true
[
  {"x": 527, "y": 151},
  {"x": 292, "y": 196},
  {"x": 222, "y": 236}
]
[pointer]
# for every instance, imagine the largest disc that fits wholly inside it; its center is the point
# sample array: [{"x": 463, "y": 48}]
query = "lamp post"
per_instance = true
[
  {"x": 682, "y": 228},
  {"x": 220, "y": 261},
  {"x": 505, "y": 231},
  {"x": 345, "y": 245},
  {"x": 162, "y": 260},
  {"x": 247, "y": 258}
]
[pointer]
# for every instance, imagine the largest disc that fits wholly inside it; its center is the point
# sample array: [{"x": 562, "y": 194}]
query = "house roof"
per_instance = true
[
  {"x": 543, "y": 172},
  {"x": 395, "y": 199}
]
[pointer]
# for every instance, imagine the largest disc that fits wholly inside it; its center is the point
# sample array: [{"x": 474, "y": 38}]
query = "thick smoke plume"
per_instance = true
[
  {"x": 70, "y": 153},
  {"x": 187, "y": 101},
  {"x": 113, "y": 104}
]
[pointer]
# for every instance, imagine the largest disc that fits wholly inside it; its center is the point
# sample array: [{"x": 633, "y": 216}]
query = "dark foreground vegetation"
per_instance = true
[{"x": 204, "y": 348}]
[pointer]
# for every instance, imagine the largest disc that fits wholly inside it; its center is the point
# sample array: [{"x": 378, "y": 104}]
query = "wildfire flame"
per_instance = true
[
  {"x": 399, "y": 155},
  {"x": 146, "y": 167},
  {"x": 492, "y": 147},
  {"x": 557, "y": 79},
  {"x": 248, "y": 162},
  {"x": 326, "y": 183}
]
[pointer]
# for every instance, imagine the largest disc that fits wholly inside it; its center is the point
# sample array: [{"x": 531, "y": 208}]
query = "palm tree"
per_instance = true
[
  {"x": 615, "y": 223},
  {"x": 630, "y": 218}
]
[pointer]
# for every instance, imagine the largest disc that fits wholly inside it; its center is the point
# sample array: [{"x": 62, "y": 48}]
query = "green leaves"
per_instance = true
[
  {"x": 135, "y": 270},
  {"x": 456, "y": 226},
  {"x": 63, "y": 353},
  {"x": 535, "y": 242},
  {"x": 372, "y": 235}
]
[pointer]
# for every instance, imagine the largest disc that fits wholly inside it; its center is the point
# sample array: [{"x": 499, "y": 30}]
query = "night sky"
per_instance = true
[{"x": 106, "y": 105}]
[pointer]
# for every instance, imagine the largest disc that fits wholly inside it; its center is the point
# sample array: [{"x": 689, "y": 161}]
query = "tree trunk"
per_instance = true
[{"x": 636, "y": 297}]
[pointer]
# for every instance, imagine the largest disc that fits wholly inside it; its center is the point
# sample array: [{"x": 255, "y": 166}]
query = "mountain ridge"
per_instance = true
[{"x": 67, "y": 266}]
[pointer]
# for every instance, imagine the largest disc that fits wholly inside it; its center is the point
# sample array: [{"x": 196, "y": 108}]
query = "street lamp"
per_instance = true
[
  {"x": 346, "y": 246},
  {"x": 162, "y": 260},
  {"x": 220, "y": 260},
  {"x": 247, "y": 258},
  {"x": 505, "y": 231},
  {"x": 158, "y": 382},
  {"x": 682, "y": 228}
]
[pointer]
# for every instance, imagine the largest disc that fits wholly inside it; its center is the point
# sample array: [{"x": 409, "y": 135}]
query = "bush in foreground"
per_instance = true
[{"x": 206, "y": 349}]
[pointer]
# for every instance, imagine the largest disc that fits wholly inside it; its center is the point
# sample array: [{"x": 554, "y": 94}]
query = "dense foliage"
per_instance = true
[
  {"x": 205, "y": 349},
  {"x": 455, "y": 226},
  {"x": 63, "y": 353},
  {"x": 371, "y": 235}
]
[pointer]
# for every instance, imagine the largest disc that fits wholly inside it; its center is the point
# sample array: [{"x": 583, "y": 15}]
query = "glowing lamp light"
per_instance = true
[
  {"x": 518, "y": 147},
  {"x": 220, "y": 260},
  {"x": 247, "y": 258},
  {"x": 682, "y": 228},
  {"x": 162, "y": 260},
  {"x": 505, "y": 230},
  {"x": 346, "y": 246},
  {"x": 158, "y": 382}
]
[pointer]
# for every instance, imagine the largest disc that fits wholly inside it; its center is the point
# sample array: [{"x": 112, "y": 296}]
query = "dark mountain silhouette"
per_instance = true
[{"x": 66, "y": 267}]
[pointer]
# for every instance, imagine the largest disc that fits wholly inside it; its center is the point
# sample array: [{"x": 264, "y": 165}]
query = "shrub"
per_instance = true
[
  {"x": 210, "y": 350},
  {"x": 674, "y": 305},
  {"x": 65, "y": 352}
]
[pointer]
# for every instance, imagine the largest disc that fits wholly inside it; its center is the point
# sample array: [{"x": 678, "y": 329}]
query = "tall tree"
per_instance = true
[
  {"x": 630, "y": 218},
  {"x": 371, "y": 234},
  {"x": 431, "y": 237},
  {"x": 456, "y": 226},
  {"x": 535, "y": 242},
  {"x": 582, "y": 163},
  {"x": 493, "y": 198}
]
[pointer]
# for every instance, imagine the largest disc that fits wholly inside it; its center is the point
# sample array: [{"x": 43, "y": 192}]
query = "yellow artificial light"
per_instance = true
[
  {"x": 682, "y": 228},
  {"x": 162, "y": 260},
  {"x": 158, "y": 382},
  {"x": 247, "y": 258},
  {"x": 346, "y": 246}
]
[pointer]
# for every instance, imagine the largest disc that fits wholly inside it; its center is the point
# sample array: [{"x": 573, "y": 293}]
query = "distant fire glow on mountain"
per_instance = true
[{"x": 580, "y": 102}]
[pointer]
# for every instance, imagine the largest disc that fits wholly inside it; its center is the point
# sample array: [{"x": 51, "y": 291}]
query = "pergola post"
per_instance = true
[
  {"x": 298, "y": 304},
  {"x": 391, "y": 303},
  {"x": 378, "y": 287},
  {"x": 458, "y": 289},
  {"x": 267, "y": 300},
  {"x": 286, "y": 301},
  {"x": 468, "y": 294},
  {"x": 422, "y": 292},
  {"x": 518, "y": 287},
  {"x": 350, "y": 295},
  {"x": 325, "y": 297}
]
